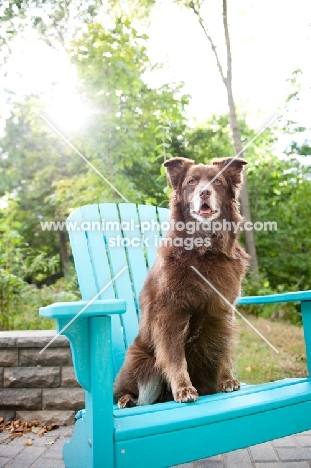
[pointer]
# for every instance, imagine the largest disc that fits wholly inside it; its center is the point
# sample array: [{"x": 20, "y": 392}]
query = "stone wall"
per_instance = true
[{"x": 36, "y": 386}]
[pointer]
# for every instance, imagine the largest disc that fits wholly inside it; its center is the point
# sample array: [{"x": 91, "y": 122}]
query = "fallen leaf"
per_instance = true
[
  {"x": 41, "y": 432},
  {"x": 19, "y": 429},
  {"x": 51, "y": 427},
  {"x": 1, "y": 419},
  {"x": 28, "y": 442},
  {"x": 16, "y": 434},
  {"x": 35, "y": 430},
  {"x": 248, "y": 369}
]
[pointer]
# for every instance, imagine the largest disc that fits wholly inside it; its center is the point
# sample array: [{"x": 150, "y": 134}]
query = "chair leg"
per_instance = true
[
  {"x": 306, "y": 320},
  {"x": 77, "y": 453}
]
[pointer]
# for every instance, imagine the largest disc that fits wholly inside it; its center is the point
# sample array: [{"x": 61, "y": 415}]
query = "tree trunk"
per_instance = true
[
  {"x": 236, "y": 136},
  {"x": 227, "y": 80},
  {"x": 249, "y": 235}
]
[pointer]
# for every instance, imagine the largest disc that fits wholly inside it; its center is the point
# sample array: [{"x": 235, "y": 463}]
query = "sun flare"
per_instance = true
[{"x": 68, "y": 112}]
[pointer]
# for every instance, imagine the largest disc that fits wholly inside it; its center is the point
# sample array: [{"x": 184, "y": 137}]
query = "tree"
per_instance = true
[
  {"x": 18, "y": 263},
  {"x": 125, "y": 134},
  {"x": 236, "y": 136},
  {"x": 280, "y": 191},
  {"x": 125, "y": 139},
  {"x": 32, "y": 160}
]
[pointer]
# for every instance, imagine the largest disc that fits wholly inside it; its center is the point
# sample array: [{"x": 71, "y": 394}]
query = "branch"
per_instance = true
[
  {"x": 229, "y": 57},
  {"x": 207, "y": 34}
]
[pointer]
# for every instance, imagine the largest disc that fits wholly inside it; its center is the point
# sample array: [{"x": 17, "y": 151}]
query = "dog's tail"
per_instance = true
[{"x": 155, "y": 390}]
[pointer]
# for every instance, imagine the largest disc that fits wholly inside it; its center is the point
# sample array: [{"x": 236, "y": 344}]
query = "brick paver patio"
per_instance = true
[{"x": 46, "y": 452}]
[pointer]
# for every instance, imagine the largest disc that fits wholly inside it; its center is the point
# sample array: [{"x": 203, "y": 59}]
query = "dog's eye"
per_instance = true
[
  {"x": 191, "y": 181},
  {"x": 217, "y": 182}
]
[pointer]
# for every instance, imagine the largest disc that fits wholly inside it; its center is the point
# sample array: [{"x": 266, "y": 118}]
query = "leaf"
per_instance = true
[
  {"x": 162, "y": 170},
  {"x": 28, "y": 442},
  {"x": 51, "y": 427},
  {"x": 19, "y": 429},
  {"x": 35, "y": 430},
  {"x": 41, "y": 432}
]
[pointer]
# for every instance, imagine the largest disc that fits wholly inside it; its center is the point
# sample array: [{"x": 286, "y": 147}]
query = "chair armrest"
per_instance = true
[
  {"x": 86, "y": 323},
  {"x": 286, "y": 297},
  {"x": 98, "y": 308}
]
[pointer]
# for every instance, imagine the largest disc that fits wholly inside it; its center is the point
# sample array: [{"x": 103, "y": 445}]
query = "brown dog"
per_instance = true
[{"x": 185, "y": 341}]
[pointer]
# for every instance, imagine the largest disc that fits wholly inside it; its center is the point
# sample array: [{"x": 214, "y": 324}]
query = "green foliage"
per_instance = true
[
  {"x": 34, "y": 159},
  {"x": 213, "y": 140},
  {"x": 18, "y": 262},
  {"x": 280, "y": 191},
  {"x": 54, "y": 22},
  {"x": 261, "y": 286},
  {"x": 127, "y": 138},
  {"x": 23, "y": 312},
  {"x": 301, "y": 149},
  {"x": 129, "y": 135}
]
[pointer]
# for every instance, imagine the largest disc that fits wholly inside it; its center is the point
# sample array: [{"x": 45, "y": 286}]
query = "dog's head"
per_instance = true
[{"x": 205, "y": 191}]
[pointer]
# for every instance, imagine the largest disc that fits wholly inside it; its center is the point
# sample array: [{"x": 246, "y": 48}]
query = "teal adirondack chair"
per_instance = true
[{"x": 164, "y": 434}]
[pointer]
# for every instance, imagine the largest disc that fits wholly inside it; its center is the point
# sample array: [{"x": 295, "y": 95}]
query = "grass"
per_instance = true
[{"x": 256, "y": 362}]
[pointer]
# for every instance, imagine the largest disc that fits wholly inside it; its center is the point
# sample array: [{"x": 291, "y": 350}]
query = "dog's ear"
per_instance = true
[
  {"x": 233, "y": 168},
  {"x": 176, "y": 169}
]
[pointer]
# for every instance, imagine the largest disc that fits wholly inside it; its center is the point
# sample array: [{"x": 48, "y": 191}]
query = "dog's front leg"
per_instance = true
[
  {"x": 171, "y": 360},
  {"x": 226, "y": 381}
]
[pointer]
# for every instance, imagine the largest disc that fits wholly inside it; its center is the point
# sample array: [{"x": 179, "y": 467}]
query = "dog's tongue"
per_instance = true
[{"x": 205, "y": 210}]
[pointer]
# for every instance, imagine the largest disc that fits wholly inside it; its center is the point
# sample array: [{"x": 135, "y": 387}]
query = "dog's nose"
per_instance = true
[{"x": 204, "y": 193}]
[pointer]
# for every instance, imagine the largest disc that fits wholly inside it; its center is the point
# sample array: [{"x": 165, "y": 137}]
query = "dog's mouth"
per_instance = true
[{"x": 205, "y": 211}]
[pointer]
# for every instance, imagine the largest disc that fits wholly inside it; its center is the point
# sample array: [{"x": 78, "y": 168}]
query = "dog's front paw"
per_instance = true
[
  {"x": 229, "y": 385},
  {"x": 186, "y": 394},
  {"x": 127, "y": 401}
]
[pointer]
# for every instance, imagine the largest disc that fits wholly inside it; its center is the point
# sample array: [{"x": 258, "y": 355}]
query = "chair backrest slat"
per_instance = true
[
  {"x": 164, "y": 218},
  {"x": 135, "y": 253},
  {"x": 148, "y": 217},
  {"x": 118, "y": 260},
  {"x": 80, "y": 251},
  {"x": 97, "y": 252}
]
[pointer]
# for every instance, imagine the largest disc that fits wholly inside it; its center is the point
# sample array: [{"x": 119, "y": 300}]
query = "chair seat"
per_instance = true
[
  {"x": 148, "y": 420},
  {"x": 167, "y": 434}
]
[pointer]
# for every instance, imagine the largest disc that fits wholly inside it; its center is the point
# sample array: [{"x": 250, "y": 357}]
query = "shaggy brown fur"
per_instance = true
[{"x": 184, "y": 345}]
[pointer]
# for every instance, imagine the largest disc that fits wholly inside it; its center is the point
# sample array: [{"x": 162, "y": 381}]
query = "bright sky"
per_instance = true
[{"x": 270, "y": 39}]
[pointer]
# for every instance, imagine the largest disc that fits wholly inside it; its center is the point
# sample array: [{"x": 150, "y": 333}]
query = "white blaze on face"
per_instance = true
[
  {"x": 196, "y": 209},
  {"x": 214, "y": 204}
]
